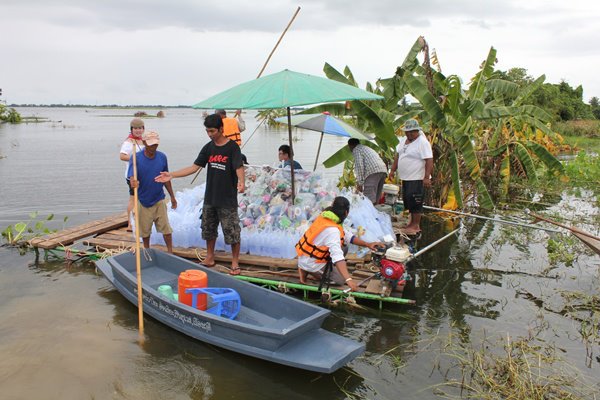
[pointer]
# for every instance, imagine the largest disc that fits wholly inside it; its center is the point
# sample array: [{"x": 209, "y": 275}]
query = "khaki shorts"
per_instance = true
[{"x": 157, "y": 214}]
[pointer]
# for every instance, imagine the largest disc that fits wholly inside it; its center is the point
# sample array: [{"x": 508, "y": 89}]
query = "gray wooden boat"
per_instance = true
[{"x": 269, "y": 325}]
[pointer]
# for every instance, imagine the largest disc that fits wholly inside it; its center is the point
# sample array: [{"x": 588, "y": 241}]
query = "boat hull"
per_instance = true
[{"x": 270, "y": 326}]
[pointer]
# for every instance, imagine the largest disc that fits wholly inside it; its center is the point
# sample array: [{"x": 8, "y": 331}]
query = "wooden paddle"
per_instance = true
[
  {"x": 138, "y": 262},
  {"x": 589, "y": 239}
]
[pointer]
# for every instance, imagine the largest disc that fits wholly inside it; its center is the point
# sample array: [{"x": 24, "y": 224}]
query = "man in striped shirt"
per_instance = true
[{"x": 370, "y": 170}]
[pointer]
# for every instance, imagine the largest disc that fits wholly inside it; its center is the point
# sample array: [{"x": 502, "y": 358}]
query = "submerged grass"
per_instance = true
[{"x": 525, "y": 369}]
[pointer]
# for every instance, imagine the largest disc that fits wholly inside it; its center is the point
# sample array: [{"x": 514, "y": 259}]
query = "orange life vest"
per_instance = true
[
  {"x": 306, "y": 247},
  {"x": 231, "y": 130}
]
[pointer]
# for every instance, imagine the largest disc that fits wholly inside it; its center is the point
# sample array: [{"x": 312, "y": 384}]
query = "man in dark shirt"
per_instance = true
[{"x": 224, "y": 179}]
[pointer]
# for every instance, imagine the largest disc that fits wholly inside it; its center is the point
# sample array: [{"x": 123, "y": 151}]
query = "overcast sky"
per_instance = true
[{"x": 183, "y": 51}]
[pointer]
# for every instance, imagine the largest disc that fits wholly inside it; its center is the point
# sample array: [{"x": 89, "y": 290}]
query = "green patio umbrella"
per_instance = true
[{"x": 285, "y": 89}]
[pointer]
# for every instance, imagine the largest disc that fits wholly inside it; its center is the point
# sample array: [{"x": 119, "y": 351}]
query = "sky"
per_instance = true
[{"x": 180, "y": 52}]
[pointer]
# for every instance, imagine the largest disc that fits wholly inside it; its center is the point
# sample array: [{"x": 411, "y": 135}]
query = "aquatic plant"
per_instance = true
[
  {"x": 9, "y": 115},
  {"x": 22, "y": 232},
  {"x": 525, "y": 369}
]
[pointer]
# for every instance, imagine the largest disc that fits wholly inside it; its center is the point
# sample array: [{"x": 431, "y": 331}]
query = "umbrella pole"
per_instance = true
[
  {"x": 318, "y": 152},
  {"x": 289, "y": 117},
  {"x": 138, "y": 262}
]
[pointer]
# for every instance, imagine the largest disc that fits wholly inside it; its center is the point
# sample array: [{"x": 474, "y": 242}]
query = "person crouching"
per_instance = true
[{"x": 324, "y": 242}]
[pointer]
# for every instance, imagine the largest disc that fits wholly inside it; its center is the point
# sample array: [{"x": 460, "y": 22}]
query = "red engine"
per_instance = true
[{"x": 392, "y": 270}]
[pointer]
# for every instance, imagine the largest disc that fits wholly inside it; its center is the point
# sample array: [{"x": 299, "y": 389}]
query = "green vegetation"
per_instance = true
[
  {"x": 9, "y": 115},
  {"x": 486, "y": 135},
  {"x": 22, "y": 232},
  {"x": 562, "y": 101}
]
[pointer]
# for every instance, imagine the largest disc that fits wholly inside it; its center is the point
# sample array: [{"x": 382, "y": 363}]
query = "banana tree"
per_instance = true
[{"x": 464, "y": 123}]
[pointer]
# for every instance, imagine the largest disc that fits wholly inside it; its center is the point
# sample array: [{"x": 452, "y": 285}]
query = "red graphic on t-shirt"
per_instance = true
[{"x": 218, "y": 158}]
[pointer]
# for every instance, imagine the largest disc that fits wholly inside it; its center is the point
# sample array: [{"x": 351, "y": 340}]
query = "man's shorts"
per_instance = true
[
  {"x": 230, "y": 223},
  {"x": 412, "y": 196},
  {"x": 156, "y": 214},
  {"x": 129, "y": 186}
]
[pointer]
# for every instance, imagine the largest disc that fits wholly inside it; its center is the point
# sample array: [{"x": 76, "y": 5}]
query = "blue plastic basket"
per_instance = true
[{"x": 224, "y": 302}]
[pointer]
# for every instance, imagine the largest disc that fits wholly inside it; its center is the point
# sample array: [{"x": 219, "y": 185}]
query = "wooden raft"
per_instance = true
[
  {"x": 69, "y": 236},
  {"x": 110, "y": 234}
]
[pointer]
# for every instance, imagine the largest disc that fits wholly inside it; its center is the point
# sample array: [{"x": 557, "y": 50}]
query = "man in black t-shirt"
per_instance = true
[{"x": 224, "y": 179}]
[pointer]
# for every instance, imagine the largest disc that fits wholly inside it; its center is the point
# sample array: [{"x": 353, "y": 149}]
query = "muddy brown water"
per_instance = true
[{"x": 66, "y": 333}]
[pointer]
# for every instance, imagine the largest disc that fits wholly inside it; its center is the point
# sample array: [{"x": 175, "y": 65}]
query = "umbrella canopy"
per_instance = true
[
  {"x": 285, "y": 89},
  {"x": 325, "y": 123}
]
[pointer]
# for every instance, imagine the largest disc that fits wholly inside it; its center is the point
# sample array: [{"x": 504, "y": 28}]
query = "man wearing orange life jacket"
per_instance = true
[
  {"x": 233, "y": 127},
  {"x": 324, "y": 242}
]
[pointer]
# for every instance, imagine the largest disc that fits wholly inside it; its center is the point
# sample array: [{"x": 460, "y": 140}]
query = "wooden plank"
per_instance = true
[
  {"x": 590, "y": 242},
  {"x": 68, "y": 236}
]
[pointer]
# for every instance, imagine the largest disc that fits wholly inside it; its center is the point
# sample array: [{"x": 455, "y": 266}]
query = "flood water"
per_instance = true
[{"x": 66, "y": 333}]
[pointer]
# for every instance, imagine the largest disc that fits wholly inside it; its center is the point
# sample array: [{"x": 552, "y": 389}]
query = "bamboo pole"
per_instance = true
[
  {"x": 259, "y": 75},
  {"x": 138, "y": 262},
  {"x": 571, "y": 228},
  {"x": 279, "y": 41}
]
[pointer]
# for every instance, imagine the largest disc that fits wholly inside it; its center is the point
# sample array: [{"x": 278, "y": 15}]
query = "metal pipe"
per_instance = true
[
  {"x": 300, "y": 286},
  {"x": 424, "y": 249},
  {"x": 493, "y": 219}
]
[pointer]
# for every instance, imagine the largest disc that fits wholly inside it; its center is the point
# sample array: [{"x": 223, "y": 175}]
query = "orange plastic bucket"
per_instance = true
[{"x": 192, "y": 278}]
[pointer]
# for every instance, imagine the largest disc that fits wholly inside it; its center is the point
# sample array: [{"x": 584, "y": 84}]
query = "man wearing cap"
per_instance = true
[
  {"x": 233, "y": 127},
  {"x": 151, "y": 197},
  {"x": 131, "y": 144},
  {"x": 414, "y": 163},
  {"x": 369, "y": 169}
]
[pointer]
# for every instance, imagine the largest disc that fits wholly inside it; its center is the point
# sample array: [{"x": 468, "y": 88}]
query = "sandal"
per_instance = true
[
  {"x": 209, "y": 265},
  {"x": 234, "y": 271}
]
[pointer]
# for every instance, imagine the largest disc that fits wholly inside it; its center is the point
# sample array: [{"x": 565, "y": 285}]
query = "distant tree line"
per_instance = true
[{"x": 561, "y": 100}]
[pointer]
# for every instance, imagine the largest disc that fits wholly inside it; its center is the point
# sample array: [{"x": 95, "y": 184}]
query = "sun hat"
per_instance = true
[
  {"x": 411, "y": 125},
  {"x": 136, "y": 123},
  {"x": 151, "y": 137}
]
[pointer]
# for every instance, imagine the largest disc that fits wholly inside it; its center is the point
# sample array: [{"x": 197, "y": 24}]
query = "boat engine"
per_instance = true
[{"x": 390, "y": 261}]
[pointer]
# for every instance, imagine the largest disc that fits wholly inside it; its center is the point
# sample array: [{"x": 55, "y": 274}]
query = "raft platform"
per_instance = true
[{"x": 108, "y": 235}]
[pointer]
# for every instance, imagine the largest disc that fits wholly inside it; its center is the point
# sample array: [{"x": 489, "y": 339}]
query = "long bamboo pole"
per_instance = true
[
  {"x": 138, "y": 261},
  {"x": 279, "y": 41},
  {"x": 571, "y": 228},
  {"x": 260, "y": 74}
]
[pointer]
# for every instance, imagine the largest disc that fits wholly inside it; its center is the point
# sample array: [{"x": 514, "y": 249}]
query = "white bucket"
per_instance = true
[{"x": 390, "y": 189}]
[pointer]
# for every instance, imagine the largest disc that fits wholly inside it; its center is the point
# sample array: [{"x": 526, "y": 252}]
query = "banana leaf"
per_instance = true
[
  {"x": 526, "y": 161},
  {"x": 350, "y": 76},
  {"x": 429, "y": 103},
  {"x": 335, "y": 75},
  {"x": 477, "y": 86},
  {"x": 528, "y": 90},
  {"x": 501, "y": 87},
  {"x": 410, "y": 61},
  {"x": 336, "y": 109},
  {"x": 546, "y": 157},
  {"x": 483, "y": 196},
  {"x": 338, "y": 157}
]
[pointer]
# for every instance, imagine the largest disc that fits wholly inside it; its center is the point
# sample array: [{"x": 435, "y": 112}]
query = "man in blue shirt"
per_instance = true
[{"x": 151, "y": 197}]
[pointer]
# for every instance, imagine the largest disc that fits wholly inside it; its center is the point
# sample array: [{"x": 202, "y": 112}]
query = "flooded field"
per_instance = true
[{"x": 66, "y": 333}]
